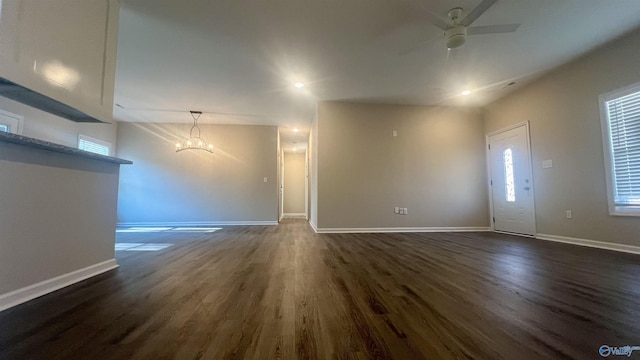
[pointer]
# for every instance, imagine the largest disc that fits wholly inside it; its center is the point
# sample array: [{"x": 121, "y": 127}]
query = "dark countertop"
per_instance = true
[{"x": 48, "y": 146}]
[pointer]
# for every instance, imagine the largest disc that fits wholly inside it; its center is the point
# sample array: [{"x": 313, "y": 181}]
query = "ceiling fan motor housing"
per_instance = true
[{"x": 456, "y": 36}]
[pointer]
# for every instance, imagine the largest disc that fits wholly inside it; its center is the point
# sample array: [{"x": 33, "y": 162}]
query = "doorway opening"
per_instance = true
[{"x": 294, "y": 184}]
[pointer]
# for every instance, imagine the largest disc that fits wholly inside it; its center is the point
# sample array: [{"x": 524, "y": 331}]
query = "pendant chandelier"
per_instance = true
[{"x": 194, "y": 141}]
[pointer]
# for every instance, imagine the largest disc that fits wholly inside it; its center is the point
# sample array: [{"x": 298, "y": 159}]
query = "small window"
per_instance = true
[
  {"x": 90, "y": 144},
  {"x": 9, "y": 122},
  {"x": 621, "y": 135},
  {"x": 508, "y": 176}
]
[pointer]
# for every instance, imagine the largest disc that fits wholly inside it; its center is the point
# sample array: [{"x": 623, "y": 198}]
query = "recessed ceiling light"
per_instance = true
[
  {"x": 298, "y": 85},
  {"x": 466, "y": 92},
  {"x": 295, "y": 130}
]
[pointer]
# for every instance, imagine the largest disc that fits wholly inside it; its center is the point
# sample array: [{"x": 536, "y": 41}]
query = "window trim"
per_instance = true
[
  {"x": 615, "y": 210},
  {"x": 15, "y": 127},
  {"x": 95, "y": 141}
]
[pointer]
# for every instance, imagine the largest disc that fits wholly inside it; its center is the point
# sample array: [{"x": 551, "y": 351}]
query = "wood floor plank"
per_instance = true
[{"x": 284, "y": 292}]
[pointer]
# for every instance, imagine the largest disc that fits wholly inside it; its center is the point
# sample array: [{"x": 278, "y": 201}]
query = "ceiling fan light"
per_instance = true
[
  {"x": 456, "y": 41},
  {"x": 456, "y": 36}
]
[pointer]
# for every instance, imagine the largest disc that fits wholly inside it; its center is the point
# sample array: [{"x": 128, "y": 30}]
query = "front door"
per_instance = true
[{"x": 511, "y": 186}]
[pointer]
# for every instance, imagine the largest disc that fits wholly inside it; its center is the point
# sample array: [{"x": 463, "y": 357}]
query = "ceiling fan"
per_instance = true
[{"x": 456, "y": 30}]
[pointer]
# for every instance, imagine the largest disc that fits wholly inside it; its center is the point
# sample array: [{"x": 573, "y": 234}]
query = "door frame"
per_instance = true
[
  {"x": 281, "y": 186},
  {"x": 489, "y": 187},
  {"x": 306, "y": 183}
]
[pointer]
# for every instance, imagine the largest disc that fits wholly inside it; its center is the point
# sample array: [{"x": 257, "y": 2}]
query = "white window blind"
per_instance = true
[
  {"x": 623, "y": 119},
  {"x": 87, "y": 143}
]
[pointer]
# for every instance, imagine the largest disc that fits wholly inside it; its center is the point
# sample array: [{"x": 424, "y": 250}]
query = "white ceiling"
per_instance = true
[{"x": 237, "y": 60}]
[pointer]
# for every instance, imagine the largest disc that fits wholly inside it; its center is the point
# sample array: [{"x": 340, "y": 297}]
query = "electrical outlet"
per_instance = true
[
  {"x": 569, "y": 214},
  {"x": 396, "y": 210},
  {"x": 265, "y": 179}
]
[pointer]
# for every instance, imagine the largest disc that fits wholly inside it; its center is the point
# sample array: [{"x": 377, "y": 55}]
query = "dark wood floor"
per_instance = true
[{"x": 286, "y": 293}]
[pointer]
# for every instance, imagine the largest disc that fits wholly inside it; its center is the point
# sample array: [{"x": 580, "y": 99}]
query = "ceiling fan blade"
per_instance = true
[
  {"x": 436, "y": 20},
  {"x": 475, "y": 13},
  {"x": 429, "y": 15},
  {"x": 492, "y": 29}
]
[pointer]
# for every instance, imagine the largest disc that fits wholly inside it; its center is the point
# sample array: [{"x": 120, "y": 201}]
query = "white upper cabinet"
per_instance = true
[{"x": 63, "y": 49}]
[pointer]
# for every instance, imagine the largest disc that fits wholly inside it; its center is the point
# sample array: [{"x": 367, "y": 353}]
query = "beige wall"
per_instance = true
[
  {"x": 58, "y": 215},
  {"x": 563, "y": 110},
  {"x": 435, "y": 167},
  {"x": 195, "y": 186},
  {"x": 44, "y": 126},
  {"x": 294, "y": 183}
]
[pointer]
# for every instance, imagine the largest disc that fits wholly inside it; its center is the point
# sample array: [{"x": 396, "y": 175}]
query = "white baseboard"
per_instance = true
[
  {"x": 294, "y": 215},
  {"x": 591, "y": 243},
  {"x": 30, "y": 292},
  {"x": 399, "y": 229},
  {"x": 313, "y": 226},
  {"x": 195, "y": 223}
]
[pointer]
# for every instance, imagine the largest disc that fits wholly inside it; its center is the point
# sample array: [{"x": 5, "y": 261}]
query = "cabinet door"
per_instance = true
[{"x": 64, "y": 49}]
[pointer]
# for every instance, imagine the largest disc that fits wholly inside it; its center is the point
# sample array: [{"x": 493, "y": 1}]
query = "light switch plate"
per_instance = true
[
  {"x": 547, "y": 164},
  {"x": 396, "y": 210}
]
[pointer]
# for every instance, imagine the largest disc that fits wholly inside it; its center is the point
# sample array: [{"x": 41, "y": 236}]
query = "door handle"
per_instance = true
[{"x": 526, "y": 188}]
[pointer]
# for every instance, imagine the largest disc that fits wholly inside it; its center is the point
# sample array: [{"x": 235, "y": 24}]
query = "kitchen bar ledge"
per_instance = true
[{"x": 48, "y": 146}]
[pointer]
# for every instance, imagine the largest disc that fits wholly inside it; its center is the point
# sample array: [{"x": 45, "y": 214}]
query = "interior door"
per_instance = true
[{"x": 511, "y": 186}]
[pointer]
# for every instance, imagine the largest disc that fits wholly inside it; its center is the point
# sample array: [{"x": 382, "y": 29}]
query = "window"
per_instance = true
[
  {"x": 90, "y": 144},
  {"x": 508, "y": 176},
  {"x": 10, "y": 123},
  {"x": 621, "y": 135}
]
